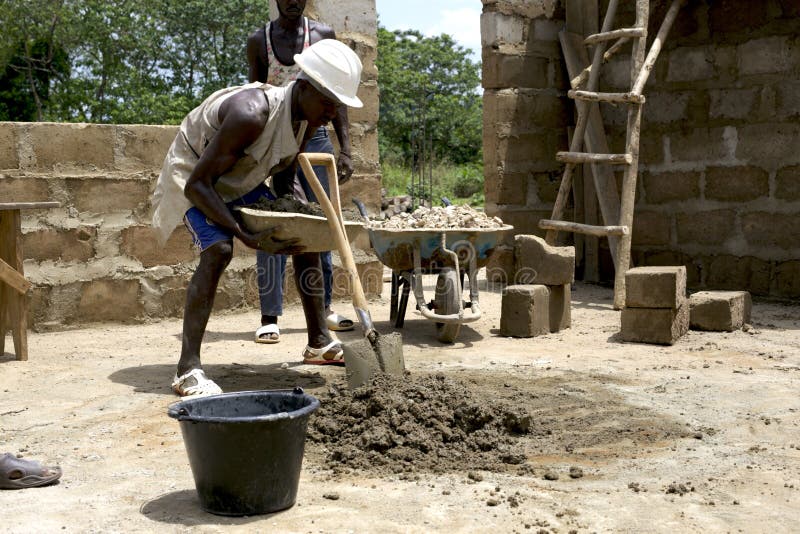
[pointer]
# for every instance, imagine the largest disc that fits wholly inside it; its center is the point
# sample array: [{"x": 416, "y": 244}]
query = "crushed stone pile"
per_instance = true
[
  {"x": 439, "y": 217},
  {"x": 410, "y": 424}
]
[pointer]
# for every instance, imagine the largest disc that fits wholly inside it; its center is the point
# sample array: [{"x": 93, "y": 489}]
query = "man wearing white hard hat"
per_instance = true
[
  {"x": 218, "y": 160},
  {"x": 270, "y": 52}
]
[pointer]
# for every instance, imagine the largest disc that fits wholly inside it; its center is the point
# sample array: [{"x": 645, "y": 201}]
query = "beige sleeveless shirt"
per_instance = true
[{"x": 274, "y": 150}]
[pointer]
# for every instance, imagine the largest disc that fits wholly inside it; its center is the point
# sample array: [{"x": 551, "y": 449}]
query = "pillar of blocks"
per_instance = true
[
  {"x": 656, "y": 308},
  {"x": 719, "y": 311},
  {"x": 525, "y": 311},
  {"x": 536, "y": 262}
]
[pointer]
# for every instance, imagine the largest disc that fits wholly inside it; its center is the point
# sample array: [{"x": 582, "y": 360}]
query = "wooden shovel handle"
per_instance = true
[{"x": 334, "y": 216}]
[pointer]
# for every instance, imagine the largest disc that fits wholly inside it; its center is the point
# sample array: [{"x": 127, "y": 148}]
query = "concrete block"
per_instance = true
[
  {"x": 706, "y": 227},
  {"x": 23, "y": 190},
  {"x": 369, "y": 95},
  {"x": 344, "y": 16},
  {"x": 9, "y": 156},
  {"x": 768, "y": 143},
  {"x": 787, "y": 183},
  {"x": 524, "y": 220},
  {"x": 688, "y": 64},
  {"x": 736, "y": 184},
  {"x": 500, "y": 267},
  {"x": 662, "y": 326},
  {"x": 102, "y": 195},
  {"x": 140, "y": 243},
  {"x": 700, "y": 144},
  {"x": 560, "y": 307},
  {"x": 769, "y": 229},
  {"x": 507, "y": 70},
  {"x": 110, "y": 300},
  {"x": 655, "y": 287},
  {"x": 767, "y": 55},
  {"x": 663, "y": 187},
  {"x": 72, "y": 146},
  {"x": 787, "y": 105},
  {"x": 652, "y": 228},
  {"x": 735, "y": 272},
  {"x": 76, "y": 244},
  {"x": 666, "y": 107},
  {"x": 497, "y": 28},
  {"x": 370, "y": 272},
  {"x": 142, "y": 146},
  {"x": 787, "y": 279},
  {"x": 525, "y": 311},
  {"x": 719, "y": 311},
  {"x": 543, "y": 263},
  {"x": 732, "y": 103}
]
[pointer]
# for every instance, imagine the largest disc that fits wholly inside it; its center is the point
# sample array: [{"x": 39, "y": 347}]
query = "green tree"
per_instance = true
[
  {"x": 133, "y": 61},
  {"x": 31, "y": 57},
  {"x": 428, "y": 81}
]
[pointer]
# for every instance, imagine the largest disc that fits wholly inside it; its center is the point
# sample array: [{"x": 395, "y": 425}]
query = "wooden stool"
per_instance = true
[{"x": 13, "y": 285}]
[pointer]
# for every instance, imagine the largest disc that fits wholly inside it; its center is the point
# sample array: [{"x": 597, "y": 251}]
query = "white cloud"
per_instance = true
[{"x": 463, "y": 24}]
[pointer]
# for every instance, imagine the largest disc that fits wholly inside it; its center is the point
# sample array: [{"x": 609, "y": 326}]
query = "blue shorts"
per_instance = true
[{"x": 205, "y": 233}]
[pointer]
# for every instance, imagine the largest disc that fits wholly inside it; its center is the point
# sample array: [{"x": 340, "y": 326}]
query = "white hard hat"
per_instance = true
[{"x": 334, "y": 67}]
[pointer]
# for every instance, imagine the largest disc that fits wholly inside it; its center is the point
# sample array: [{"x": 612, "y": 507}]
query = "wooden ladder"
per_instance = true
[{"x": 615, "y": 208}]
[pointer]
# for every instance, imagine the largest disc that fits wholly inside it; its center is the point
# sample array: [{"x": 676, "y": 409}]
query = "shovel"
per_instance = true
[{"x": 375, "y": 353}]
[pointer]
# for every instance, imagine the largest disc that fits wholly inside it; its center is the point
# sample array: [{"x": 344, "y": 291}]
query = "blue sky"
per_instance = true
[{"x": 459, "y": 18}]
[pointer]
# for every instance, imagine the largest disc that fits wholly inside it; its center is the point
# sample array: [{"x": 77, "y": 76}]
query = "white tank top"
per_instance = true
[
  {"x": 277, "y": 72},
  {"x": 274, "y": 150}
]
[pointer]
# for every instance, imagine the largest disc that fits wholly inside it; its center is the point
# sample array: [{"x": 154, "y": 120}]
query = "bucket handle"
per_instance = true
[{"x": 176, "y": 411}]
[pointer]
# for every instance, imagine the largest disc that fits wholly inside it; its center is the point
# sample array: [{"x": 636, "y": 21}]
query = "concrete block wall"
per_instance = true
[
  {"x": 719, "y": 183},
  {"x": 96, "y": 259},
  {"x": 526, "y": 110}
]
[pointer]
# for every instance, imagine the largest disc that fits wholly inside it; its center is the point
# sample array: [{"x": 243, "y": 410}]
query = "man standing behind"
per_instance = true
[
  {"x": 219, "y": 159},
  {"x": 269, "y": 54}
]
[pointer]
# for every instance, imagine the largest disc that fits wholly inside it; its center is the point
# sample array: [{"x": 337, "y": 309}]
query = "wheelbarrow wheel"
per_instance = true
[{"x": 447, "y": 302}]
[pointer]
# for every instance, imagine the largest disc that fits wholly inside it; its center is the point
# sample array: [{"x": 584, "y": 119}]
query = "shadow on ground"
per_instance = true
[
  {"x": 230, "y": 377},
  {"x": 183, "y": 508}
]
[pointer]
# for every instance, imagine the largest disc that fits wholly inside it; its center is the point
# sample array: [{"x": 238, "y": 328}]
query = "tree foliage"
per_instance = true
[
  {"x": 134, "y": 61},
  {"x": 428, "y": 84}
]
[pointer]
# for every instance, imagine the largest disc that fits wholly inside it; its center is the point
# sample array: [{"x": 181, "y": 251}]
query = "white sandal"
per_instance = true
[
  {"x": 339, "y": 323},
  {"x": 330, "y": 354},
  {"x": 202, "y": 384},
  {"x": 268, "y": 329}
]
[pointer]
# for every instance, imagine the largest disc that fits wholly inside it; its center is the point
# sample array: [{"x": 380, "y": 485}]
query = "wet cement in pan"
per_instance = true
[{"x": 480, "y": 421}]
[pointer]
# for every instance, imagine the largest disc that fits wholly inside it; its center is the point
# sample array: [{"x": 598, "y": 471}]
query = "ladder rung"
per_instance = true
[
  {"x": 578, "y": 228},
  {"x": 585, "y": 157},
  {"x": 615, "y": 34},
  {"x": 627, "y": 98}
]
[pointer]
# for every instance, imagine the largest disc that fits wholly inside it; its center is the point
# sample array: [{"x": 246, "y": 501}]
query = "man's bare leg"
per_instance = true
[
  {"x": 200, "y": 301},
  {"x": 308, "y": 277}
]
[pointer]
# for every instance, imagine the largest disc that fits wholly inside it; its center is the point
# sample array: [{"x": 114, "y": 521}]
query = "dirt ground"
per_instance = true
[{"x": 701, "y": 436}]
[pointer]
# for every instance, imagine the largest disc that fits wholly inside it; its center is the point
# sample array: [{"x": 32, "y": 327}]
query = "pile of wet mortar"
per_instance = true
[{"x": 500, "y": 423}]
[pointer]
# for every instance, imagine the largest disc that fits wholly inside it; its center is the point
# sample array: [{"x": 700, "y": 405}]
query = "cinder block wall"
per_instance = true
[
  {"x": 719, "y": 185},
  {"x": 96, "y": 259}
]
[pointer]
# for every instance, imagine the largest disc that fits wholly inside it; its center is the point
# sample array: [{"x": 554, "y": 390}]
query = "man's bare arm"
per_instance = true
[
  {"x": 256, "y": 57},
  {"x": 242, "y": 117},
  {"x": 341, "y": 123}
]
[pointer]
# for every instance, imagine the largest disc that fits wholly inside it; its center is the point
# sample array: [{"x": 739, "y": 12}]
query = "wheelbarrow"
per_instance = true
[{"x": 450, "y": 254}]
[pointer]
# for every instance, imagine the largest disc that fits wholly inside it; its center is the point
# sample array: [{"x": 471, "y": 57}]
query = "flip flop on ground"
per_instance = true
[
  {"x": 195, "y": 383},
  {"x": 268, "y": 333},
  {"x": 330, "y": 354},
  {"x": 16, "y": 473},
  {"x": 338, "y": 323}
]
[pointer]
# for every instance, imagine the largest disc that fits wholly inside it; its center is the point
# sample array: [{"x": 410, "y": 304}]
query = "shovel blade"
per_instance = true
[{"x": 363, "y": 360}]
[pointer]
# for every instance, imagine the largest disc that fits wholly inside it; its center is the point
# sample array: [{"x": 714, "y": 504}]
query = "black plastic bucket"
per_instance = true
[{"x": 246, "y": 448}]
